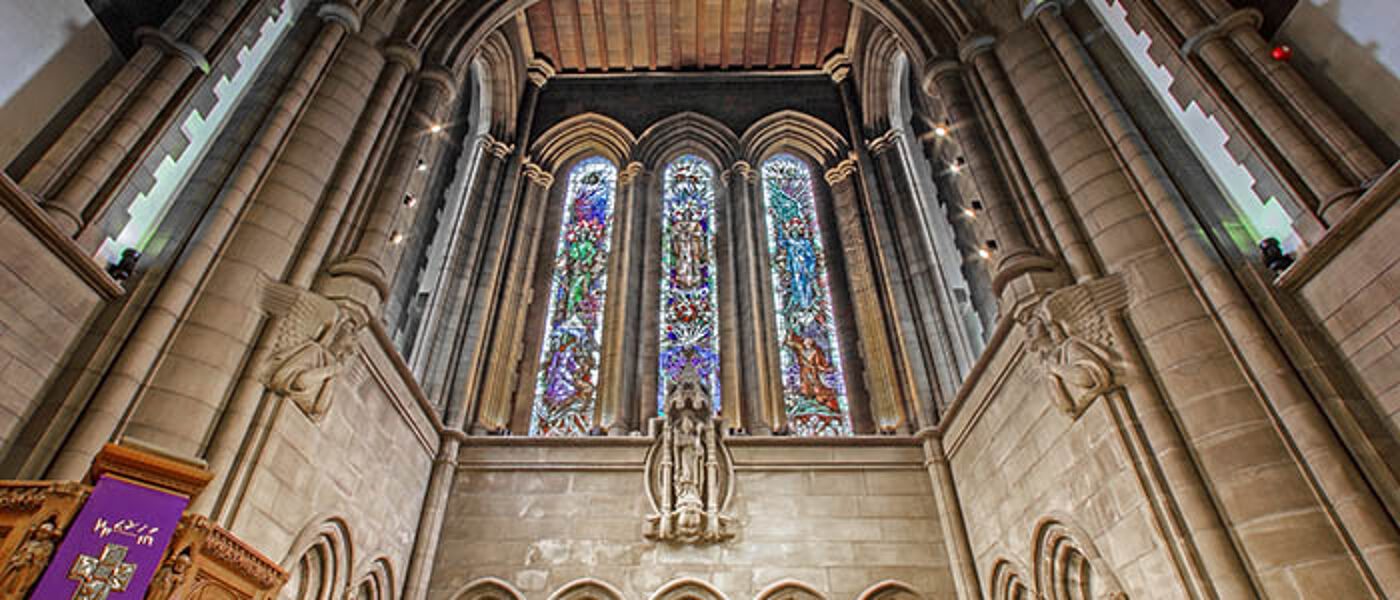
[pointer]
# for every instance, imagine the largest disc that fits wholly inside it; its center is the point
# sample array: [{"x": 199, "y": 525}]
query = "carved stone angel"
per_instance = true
[
  {"x": 313, "y": 340},
  {"x": 1069, "y": 331},
  {"x": 169, "y": 577},
  {"x": 688, "y": 470}
]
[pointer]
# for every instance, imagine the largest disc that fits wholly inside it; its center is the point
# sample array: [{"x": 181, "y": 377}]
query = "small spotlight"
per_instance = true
[
  {"x": 396, "y": 238},
  {"x": 422, "y": 166},
  {"x": 971, "y": 214},
  {"x": 941, "y": 130},
  {"x": 1282, "y": 52},
  {"x": 410, "y": 200},
  {"x": 436, "y": 128},
  {"x": 984, "y": 253},
  {"x": 955, "y": 168}
]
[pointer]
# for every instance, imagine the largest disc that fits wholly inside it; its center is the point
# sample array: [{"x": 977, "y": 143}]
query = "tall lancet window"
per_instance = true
[
  {"x": 689, "y": 322},
  {"x": 814, "y": 393},
  {"x": 567, "y": 391}
]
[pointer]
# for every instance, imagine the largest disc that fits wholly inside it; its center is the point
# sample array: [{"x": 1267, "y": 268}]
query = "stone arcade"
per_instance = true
[{"x": 705, "y": 299}]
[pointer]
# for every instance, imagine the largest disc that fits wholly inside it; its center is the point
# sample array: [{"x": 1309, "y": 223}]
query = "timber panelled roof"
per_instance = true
[{"x": 605, "y": 36}]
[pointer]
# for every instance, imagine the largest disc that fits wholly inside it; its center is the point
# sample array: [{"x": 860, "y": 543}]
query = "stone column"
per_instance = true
[
  {"x": 617, "y": 368},
  {"x": 363, "y": 277},
  {"x": 1013, "y": 256},
  {"x": 232, "y": 428},
  {"x": 879, "y": 376},
  {"x": 148, "y": 341},
  {"x": 726, "y": 257},
  {"x": 493, "y": 412},
  {"x": 760, "y": 384},
  {"x": 895, "y": 379},
  {"x": 1305, "y": 438},
  {"x": 1328, "y": 176},
  {"x": 950, "y": 516},
  {"x": 1030, "y": 153},
  {"x": 87, "y": 186}
]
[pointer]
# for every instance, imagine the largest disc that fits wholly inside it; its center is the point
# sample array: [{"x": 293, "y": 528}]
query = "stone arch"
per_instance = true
[
  {"x": 890, "y": 589},
  {"x": 377, "y": 581},
  {"x": 501, "y": 69},
  {"x": 793, "y": 131},
  {"x": 1006, "y": 582},
  {"x": 1067, "y": 566},
  {"x": 489, "y": 588},
  {"x": 789, "y": 589},
  {"x": 319, "y": 561},
  {"x": 687, "y": 588},
  {"x": 876, "y": 68},
  {"x": 687, "y": 132},
  {"x": 587, "y": 588},
  {"x": 583, "y": 134}
]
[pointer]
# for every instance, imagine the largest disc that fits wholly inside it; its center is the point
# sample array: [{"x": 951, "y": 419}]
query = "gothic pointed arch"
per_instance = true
[
  {"x": 687, "y": 588},
  {"x": 879, "y": 51},
  {"x": 320, "y": 560},
  {"x": 488, "y": 588},
  {"x": 502, "y": 70},
  {"x": 587, "y": 588},
  {"x": 789, "y": 589},
  {"x": 687, "y": 132},
  {"x": 587, "y": 133},
  {"x": 377, "y": 581},
  {"x": 1006, "y": 583},
  {"x": 890, "y": 589},
  {"x": 793, "y": 131},
  {"x": 1067, "y": 566}
]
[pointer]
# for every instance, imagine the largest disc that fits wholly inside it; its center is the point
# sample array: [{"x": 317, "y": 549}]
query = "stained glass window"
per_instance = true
[
  {"x": 566, "y": 391},
  {"x": 813, "y": 386},
  {"x": 689, "y": 331}
]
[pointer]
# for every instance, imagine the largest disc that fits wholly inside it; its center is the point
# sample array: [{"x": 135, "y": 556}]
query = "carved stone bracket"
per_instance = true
[
  {"x": 1070, "y": 334},
  {"x": 689, "y": 472},
  {"x": 314, "y": 338}
]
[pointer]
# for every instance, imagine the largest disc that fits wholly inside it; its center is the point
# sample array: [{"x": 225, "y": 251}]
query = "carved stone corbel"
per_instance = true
[
  {"x": 314, "y": 338},
  {"x": 1069, "y": 333},
  {"x": 689, "y": 473}
]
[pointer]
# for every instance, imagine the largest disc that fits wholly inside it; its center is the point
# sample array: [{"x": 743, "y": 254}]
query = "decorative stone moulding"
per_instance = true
[
  {"x": 689, "y": 471},
  {"x": 1069, "y": 334},
  {"x": 314, "y": 340}
]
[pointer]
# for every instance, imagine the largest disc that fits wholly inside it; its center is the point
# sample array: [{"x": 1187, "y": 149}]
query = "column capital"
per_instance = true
[
  {"x": 838, "y": 67},
  {"x": 169, "y": 45},
  {"x": 841, "y": 171},
  {"x": 441, "y": 76},
  {"x": 629, "y": 173},
  {"x": 538, "y": 175},
  {"x": 1244, "y": 17},
  {"x": 937, "y": 71},
  {"x": 975, "y": 45},
  {"x": 540, "y": 72},
  {"x": 884, "y": 142},
  {"x": 342, "y": 13},
  {"x": 1035, "y": 7},
  {"x": 743, "y": 169},
  {"x": 496, "y": 147},
  {"x": 404, "y": 54}
]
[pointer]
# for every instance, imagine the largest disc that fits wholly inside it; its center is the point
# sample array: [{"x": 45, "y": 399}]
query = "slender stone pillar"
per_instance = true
[
  {"x": 1031, "y": 155},
  {"x": 1013, "y": 256},
  {"x": 880, "y": 376},
  {"x": 1352, "y": 511},
  {"x": 760, "y": 384},
  {"x": 363, "y": 277},
  {"x": 617, "y": 368},
  {"x": 83, "y": 189},
  {"x": 1288, "y": 118},
  {"x": 232, "y": 429},
  {"x": 950, "y": 516},
  {"x": 726, "y": 250},
  {"x": 151, "y": 337}
]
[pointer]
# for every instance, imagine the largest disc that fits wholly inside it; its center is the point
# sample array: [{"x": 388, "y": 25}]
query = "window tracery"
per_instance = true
[
  {"x": 814, "y": 394},
  {"x": 566, "y": 388},
  {"x": 689, "y": 297}
]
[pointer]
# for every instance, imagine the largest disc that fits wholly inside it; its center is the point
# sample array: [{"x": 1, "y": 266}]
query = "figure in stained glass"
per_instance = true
[
  {"x": 689, "y": 335},
  {"x": 813, "y": 385},
  {"x": 566, "y": 390}
]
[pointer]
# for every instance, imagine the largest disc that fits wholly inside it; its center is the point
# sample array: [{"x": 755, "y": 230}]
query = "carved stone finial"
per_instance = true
[
  {"x": 689, "y": 473},
  {"x": 313, "y": 341},
  {"x": 1070, "y": 334}
]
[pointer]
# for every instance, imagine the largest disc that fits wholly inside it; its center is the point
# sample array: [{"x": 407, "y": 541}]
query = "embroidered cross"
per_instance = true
[{"x": 98, "y": 577}]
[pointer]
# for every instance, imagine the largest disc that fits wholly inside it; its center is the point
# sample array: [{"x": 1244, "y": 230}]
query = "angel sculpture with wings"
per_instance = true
[
  {"x": 1069, "y": 331},
  {"x": 314, "y": 339}
]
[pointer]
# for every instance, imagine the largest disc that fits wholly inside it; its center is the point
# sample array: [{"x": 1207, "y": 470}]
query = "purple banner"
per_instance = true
[{"x": 114, "y": 546}]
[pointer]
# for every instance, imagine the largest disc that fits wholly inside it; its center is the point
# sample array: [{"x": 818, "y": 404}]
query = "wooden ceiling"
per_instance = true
[{"x": 608, "y": 36}]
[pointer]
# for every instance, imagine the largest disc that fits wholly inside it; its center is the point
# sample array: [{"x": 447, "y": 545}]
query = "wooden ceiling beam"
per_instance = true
[
  {"x": 627, "y": 42},
  {"x": 599, "y": 17}
]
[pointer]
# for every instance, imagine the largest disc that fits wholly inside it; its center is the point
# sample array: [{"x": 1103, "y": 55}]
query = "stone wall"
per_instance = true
[
  {"x": 837, "y": 515},
  {"x": 365, "y": 465}
]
